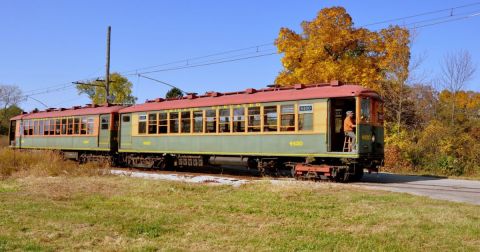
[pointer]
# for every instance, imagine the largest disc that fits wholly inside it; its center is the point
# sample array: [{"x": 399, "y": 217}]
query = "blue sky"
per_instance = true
[{"x": 48, "y": 43}]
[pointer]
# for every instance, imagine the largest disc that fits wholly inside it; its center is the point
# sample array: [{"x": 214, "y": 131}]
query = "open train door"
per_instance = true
[{"x": 338, "y": 108}]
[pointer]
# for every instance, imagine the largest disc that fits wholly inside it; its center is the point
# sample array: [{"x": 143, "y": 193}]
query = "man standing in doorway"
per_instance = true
[{"x": 348, "y": 128}]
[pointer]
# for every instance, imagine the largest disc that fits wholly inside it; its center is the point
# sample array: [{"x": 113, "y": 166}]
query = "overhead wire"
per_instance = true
[
  {"x": 190, "y": 62},
  {"x": 421, "y": 14}
]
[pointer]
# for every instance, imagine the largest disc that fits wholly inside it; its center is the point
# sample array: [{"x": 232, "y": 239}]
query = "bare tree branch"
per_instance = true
[{"x": 457, "y": 70}]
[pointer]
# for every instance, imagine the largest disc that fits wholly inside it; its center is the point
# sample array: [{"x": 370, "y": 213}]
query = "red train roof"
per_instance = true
[
  {"x": 74, "y": 111},
  {"x": 297, "y": 92}
]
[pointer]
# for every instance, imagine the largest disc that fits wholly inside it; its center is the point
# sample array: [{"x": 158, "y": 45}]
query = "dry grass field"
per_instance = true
[
  {"x": 3, "y": 141},
  {"x": 47, "y": 204},
  {"x": 22, "y": 163}
]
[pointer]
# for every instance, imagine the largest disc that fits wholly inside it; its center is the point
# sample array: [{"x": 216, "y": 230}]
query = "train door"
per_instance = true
[
  {"x": 338, "y": 109},
  {"x": 104, "y": 132},
  {"x": 125, "y": 131},
  {"x": 11, "y": 134}
]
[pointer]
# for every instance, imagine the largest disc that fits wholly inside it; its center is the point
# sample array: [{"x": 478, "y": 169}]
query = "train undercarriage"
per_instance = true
[{"x": 333, "y": 169}]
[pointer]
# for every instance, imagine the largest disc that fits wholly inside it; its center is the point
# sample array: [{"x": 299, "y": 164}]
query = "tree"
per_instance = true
[
  {"x": 457, "y": 70},
  {"x": 174, "y": 93},
  {"x": 425, "y": 102},
  {"x": 330, "y": 47},
  {"x": 10, "y": 95},
  {"x": 120, "y": 89},
  {"x": 8, "y": 113}
]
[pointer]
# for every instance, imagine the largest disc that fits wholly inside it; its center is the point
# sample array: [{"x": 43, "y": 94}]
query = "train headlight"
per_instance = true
[{"x": 373, "y": 138}]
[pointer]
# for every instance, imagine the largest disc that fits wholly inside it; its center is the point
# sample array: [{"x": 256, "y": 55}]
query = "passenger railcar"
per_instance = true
[
  {"x": 81, "y": 133},
  {"x": 267, "y": 129},
  {"x": 298, "y": 128}
]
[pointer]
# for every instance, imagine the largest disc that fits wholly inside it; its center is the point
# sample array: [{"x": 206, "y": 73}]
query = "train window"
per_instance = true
[
  {"x": 25, "y": 128},
  {"x": 162, "y": 123},
  {"x": 186, "y": 122},
  {"x": 126, "y": 118},
  {"x": 76, "y": 125},
  {"x": 239, "y": 120},
  {"x": 224, "y": 122},
  {"x": 83, "y": 126},
  {"x": 57, "y": 126},
  {"x": 198, "y": 121},
  {"x": 46, "y": 126},
  {"x": 142, "y": 124},
  {"x": 211, "y": 121},
  {"x": 305, "y": 117},
  {"x": 51, "y": 130},
  {"x": 365, "y": 110},
  {"x": 31, "y": 128},
  {"x": 90, "y": 128},
  {"x": 152, "y": 123},
  {"x": 70, "y": 126},
  {"x": 173, "y": 122},
  {"x": 287, "y": 118},
  {"x": 20, "y": 128},
  {"x": 270, "y": 118},
  {"x": 254, "y": 119},
  {"x": 35, "y": 127},
  {"x": 105, "y": 122},
  {"x": 40, "y": 127},
  {"x": 52, "y": 127}
]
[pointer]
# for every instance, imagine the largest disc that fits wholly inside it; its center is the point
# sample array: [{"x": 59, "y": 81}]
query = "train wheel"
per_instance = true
[
  {"x": 358, "y": 174},
  {"x": 342, "y": 176},
  {"x": 161, "y": 165}
]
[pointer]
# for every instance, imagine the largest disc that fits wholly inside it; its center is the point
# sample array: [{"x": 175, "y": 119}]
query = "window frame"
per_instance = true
[
  {"x": 292, "y": 124},
  {"x": 142, "y": 124},
  {"x": 212, "y": 122},
  {"x": 183, "y": 120},
  {"x": 163, "y": 122},
  {"x": 239, "y": 119},
  {"x": 175, "y": 120},
  {"x": 301, "y": 117},
  {"x": 265, "y": 118},
  {"x": 227, "y": 122},
  {"x": 152, "y": 122},
  {"x": 202, "y": 121}
]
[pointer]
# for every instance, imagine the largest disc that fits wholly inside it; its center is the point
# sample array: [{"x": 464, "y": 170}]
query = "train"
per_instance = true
[{"x": 298, "y": 129}]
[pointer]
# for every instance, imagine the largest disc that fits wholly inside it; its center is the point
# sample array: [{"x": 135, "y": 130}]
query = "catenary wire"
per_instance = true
[{"x": 451, "y": 19}]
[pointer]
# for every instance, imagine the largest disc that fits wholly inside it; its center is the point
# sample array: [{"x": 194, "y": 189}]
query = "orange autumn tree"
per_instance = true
[{"x": 330, "y": 47}]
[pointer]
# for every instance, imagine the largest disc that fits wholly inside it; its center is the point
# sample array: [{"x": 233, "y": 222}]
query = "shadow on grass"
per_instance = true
[{"x": 388, "y": 178}]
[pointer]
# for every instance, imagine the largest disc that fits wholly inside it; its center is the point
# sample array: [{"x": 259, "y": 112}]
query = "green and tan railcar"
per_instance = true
[
  {"x": 83, "y": 133},
  {"x": 267, "y": 128}
]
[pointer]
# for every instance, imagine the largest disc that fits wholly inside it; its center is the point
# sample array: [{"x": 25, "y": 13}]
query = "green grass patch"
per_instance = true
[{"x": 118, "y": 213}]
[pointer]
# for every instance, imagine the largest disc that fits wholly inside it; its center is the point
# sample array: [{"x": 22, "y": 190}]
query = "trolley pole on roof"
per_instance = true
[{"x": 107, "y": 66}]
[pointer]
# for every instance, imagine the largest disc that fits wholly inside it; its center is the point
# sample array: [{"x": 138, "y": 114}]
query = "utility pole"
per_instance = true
[{"x": 107, "y": 72}]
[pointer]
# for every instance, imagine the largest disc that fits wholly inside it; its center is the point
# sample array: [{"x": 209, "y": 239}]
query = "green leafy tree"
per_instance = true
[
  {"x": 174, "y": 93},
  {"x": 120, "y": 90},
  {"x": 8, "y": 113}
]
